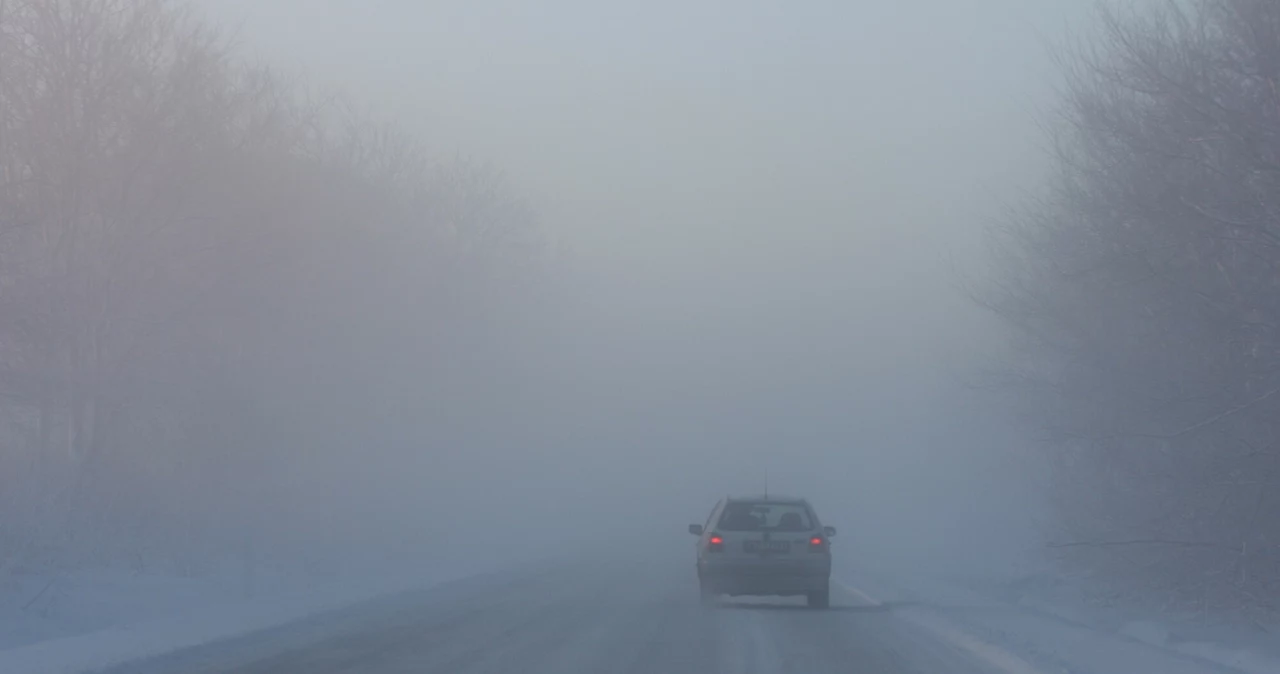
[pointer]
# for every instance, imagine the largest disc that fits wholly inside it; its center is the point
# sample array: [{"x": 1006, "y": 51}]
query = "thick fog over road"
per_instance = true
[
  {"x": 303, "y": 301},
  {"x": 765, "y": 209}
]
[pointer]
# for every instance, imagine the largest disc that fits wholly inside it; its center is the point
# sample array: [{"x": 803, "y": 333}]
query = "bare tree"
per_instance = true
[
  {"x": 203, "y": 269},
  {"x": 1141, "y": 297}
]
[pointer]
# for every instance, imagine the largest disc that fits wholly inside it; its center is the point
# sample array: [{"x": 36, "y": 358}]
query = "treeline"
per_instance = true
[
  {"x": 1143, "y": 296},
  {"x": 217, "y": 289}
]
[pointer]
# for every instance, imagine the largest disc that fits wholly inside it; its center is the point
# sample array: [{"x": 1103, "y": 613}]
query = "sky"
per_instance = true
[
  {"x": 748, "y": 145},
  {"x": 769, "y": 201}
]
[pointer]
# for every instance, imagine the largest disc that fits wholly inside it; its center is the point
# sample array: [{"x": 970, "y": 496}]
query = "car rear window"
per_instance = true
[{"x": 764, "y": 516}]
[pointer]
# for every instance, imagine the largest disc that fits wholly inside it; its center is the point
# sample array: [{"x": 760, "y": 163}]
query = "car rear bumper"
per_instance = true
[{"x": 764, "y": 578}]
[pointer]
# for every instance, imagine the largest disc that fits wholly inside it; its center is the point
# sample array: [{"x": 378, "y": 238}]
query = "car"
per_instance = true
[{"x": 764, "y": 545}]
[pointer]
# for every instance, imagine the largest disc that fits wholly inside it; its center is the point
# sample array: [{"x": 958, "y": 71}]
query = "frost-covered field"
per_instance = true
[
  {"x": 85, "y": 621},
  {"x": 1050, "y": 622}
]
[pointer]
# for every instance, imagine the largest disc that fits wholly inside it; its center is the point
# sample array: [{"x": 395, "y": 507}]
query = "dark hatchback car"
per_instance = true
[{"x": 764, "y": 545}]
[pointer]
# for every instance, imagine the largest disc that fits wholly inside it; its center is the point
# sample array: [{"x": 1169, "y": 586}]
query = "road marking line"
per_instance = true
[
  {"x": 858, "y": 593},
  {"x": 993, "y": 655}
]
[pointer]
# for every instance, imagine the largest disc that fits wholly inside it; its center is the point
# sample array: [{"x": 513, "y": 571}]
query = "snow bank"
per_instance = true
[
  {"x": 1253, "y": 654},
  {"x": 1244, "y": 660},
  {"x": 1061, "y": 640},
  {"x": 1234, "y": 646},
  {"x": 188, "y": 626}
]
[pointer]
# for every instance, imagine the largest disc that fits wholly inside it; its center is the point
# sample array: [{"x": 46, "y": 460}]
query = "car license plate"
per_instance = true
[{"x": 767, "y": 547}]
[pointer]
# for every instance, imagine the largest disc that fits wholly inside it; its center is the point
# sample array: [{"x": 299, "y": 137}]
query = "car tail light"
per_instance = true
[
  {"x": 817, "y": 544},
  {"x": 715, "y": 543}
]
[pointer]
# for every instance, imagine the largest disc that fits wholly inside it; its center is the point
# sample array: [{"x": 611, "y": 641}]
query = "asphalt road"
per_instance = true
[{"x": 642, "y": 619}]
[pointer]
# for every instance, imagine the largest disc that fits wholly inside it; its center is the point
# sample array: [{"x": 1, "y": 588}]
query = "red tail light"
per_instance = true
[
  {"x": 715, "y": 543},
  {"x": 817, "y": 544}
]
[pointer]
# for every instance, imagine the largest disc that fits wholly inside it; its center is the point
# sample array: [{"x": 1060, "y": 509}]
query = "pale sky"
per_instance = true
[
  {"x": 735, "y": 146},
  {"x": 648, "y": 128}
]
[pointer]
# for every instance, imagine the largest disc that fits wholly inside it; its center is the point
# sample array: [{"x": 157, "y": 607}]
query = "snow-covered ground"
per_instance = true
[
  {"x": 1059, "y": 633},
  {"x": 86, "y": 621},
  {"x": 1248, "y": 646},
  {"x": 90, "y": 620},
  {"x": 39, "y": 607}
]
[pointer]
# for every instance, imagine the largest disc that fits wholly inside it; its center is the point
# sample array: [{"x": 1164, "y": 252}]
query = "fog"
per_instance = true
[
  {"x": 755, "y": 222},
  {"x": 768, "y": 211},
  {"x": 307, "y": 300}
]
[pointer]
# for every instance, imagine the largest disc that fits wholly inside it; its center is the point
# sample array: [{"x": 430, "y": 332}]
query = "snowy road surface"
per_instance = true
[{"x": 637, "y": 620}]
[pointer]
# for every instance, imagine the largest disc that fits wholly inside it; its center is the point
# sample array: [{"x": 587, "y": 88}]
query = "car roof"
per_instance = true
[{"x": 767, "y": 498}]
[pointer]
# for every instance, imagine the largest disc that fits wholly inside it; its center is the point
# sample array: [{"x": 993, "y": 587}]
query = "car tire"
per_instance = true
[{"x": 820, "y": 598}]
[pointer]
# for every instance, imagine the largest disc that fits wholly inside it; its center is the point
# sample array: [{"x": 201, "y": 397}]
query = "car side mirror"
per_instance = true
[
  {"x": 695, "y": 529},
  {"x": 829, "y": 531}
]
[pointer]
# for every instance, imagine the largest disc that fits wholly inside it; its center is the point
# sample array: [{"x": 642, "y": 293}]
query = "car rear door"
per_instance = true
[{"x": 766, "y": 533}]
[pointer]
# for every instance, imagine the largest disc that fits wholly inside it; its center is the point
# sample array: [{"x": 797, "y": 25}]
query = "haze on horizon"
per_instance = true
[{"x": 767, "y": 210}]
